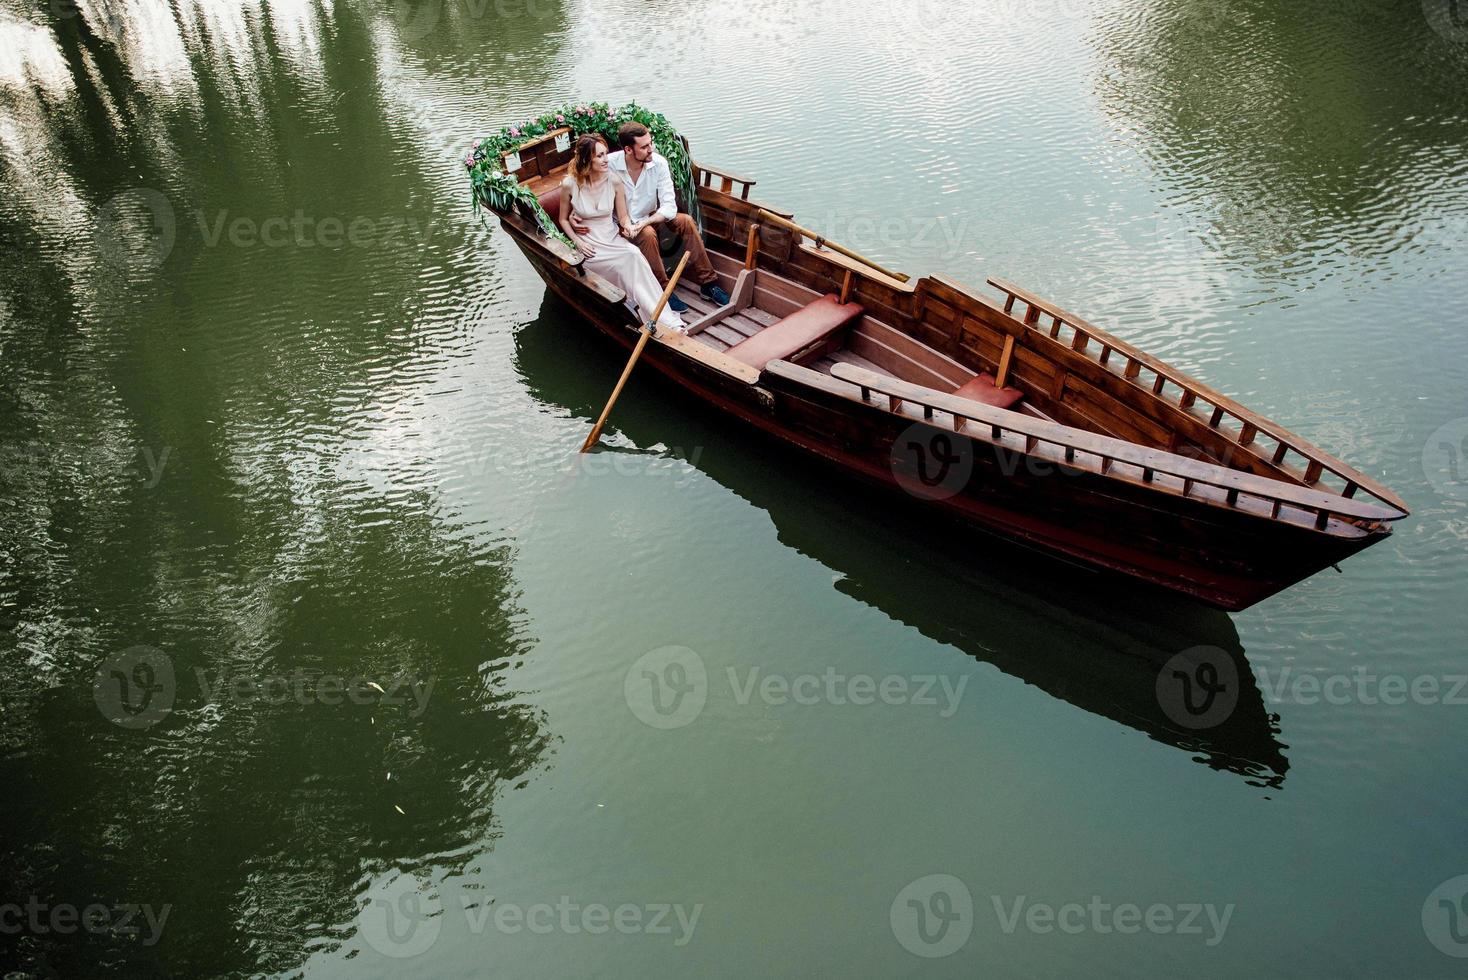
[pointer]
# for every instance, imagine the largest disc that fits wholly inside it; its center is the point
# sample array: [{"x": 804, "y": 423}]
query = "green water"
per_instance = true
[{"x": 280, "y": 421}]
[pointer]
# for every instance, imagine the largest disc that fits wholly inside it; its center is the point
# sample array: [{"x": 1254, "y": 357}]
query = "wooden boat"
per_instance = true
[
  {"x": 1092, "y": 640},
  {"x": 1003, "y": 410}
]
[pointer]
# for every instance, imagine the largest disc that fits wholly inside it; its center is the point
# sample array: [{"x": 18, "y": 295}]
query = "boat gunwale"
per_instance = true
[
  {"x": 1199, "y": 391},
  {"x": 851, "y": 380}
]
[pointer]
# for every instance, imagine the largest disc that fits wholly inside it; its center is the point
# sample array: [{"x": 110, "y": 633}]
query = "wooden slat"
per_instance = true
[
  {"x": 728, "y": 336},
  {"x": 1003, "y": 376},
  {"x": 1204, "y": 392},
  {"x": 760, "y": 316},
  {"x": 696, "y": 349},
  {"x": 1118, "y": 450},
  {"x": 742, "y": 324}
]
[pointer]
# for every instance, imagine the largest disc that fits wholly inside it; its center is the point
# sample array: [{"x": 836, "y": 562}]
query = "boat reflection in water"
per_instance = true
[{"x": 1160, "y": 664}]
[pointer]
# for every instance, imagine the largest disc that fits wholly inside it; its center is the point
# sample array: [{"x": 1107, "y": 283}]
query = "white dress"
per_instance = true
[{"x": 616, "y": 258}]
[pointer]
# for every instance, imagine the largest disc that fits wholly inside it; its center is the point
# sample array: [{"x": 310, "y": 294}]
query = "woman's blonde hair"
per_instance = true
[{"x": 585, "y": 152}]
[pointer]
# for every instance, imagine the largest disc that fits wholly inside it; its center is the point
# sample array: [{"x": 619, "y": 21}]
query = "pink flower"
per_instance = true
[
  {"x": 469, "y": 161},
  {"x": 560, "y": 118},
  {"x": 514, "y": 130}
]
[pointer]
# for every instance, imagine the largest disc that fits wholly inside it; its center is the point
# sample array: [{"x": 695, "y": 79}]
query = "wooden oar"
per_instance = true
[{"x": 647, "y": 330}]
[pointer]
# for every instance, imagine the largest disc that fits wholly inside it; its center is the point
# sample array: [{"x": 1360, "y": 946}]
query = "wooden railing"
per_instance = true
[
  {"x": 1088, "y": 452},
  {"x": 822, "y": 244},
  {"x": 705, "y": 176},
  {"x": 1146, "y": 372}
]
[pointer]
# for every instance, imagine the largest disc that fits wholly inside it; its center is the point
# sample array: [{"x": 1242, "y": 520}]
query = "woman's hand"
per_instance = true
[
  {"x": 628, "y": 232},
  {"x": 585, "y": 247}
]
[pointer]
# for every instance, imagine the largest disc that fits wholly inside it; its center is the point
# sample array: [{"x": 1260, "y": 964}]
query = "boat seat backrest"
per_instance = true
[{"x": 813, "y": 325}]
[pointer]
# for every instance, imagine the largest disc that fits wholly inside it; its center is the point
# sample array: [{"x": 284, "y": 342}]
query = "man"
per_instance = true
[{"x": 651, "y": 206}]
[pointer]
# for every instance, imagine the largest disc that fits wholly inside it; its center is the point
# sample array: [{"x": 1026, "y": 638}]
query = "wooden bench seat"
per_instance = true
[
  {"x": 803, "y": 329},
  {"x": 981, "y": 389}
]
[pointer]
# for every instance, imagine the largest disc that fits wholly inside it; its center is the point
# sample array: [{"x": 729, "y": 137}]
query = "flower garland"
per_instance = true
[{"x": 497, "y": 190}]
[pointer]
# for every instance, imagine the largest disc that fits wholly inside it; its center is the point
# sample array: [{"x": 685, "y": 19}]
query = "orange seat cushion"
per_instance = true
[
  {"x": 794, "y": 333},
  {"x": 981, "y": 389}
]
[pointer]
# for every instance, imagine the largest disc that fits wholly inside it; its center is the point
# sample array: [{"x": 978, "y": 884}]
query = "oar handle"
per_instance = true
[{"x": 647, "y": 330}]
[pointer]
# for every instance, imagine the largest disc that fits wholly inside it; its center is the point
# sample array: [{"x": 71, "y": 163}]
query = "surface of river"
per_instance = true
[{"x": 286, "y": 436}]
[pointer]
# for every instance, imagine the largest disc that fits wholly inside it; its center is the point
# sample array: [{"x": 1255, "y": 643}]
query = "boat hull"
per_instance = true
[{"x": 1226, "y": 558}]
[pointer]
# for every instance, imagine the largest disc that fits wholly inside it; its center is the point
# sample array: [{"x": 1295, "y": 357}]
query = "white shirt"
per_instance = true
[{"x": 653, "y": 190}]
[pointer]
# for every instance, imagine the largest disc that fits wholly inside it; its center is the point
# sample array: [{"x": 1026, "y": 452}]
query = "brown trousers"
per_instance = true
[{"x": 682, "y": 227}]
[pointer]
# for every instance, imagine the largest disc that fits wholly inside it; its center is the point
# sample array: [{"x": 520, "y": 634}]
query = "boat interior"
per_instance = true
[
  {"x": 1022, "y": 368},
  {"x": 774, "y": 318}
]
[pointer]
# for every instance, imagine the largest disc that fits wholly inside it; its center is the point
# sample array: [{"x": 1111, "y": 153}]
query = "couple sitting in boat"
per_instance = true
[{"x": 617, "y": 206}]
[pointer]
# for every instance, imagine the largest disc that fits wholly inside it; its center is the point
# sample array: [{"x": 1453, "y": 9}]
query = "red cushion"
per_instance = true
[
  {"x": 551, "y": 201},
  {"x": 796, "y": 332},
  {"x": 981, "y": 389}
]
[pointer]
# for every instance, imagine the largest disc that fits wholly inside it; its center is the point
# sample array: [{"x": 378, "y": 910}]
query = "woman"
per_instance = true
[{"x": 595, "y": 196}]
